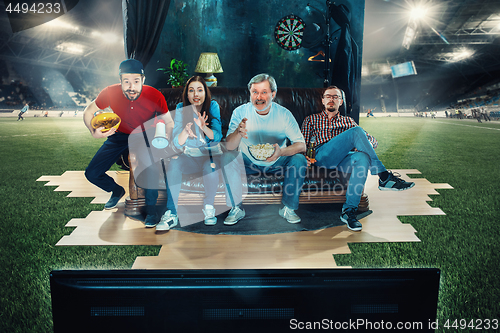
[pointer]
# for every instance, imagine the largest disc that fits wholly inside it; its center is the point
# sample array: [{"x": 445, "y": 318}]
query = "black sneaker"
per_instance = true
[
  {"x": 349, "y": 217},
  {"x": 394, "y": 183},
  {"x": 116, "y": 195},
  {"x": 151, "y": 221}
]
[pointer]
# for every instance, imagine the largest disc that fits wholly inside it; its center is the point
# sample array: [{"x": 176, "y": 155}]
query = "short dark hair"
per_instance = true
[{"x": 334, "y": 87}]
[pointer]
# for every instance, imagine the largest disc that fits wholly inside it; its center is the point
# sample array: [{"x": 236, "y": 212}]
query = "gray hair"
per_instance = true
[{"x": 261, "y": 78}]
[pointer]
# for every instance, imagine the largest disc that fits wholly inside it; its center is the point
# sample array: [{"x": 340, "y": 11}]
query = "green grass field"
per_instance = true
[{"x": 463, "y": 244}]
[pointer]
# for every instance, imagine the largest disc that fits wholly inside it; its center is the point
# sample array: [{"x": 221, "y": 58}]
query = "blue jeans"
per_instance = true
[
  {"x": 188, "y": 165},
  {"x": 293, "y": 167},
  {"x": 102, "y": 161},
  {"x": 337, "y": 153}
]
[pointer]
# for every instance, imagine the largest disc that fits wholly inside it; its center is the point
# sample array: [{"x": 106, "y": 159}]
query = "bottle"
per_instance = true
[{"x": 311, "y": 151}]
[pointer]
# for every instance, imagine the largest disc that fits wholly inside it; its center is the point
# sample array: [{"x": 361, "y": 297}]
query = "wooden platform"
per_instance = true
[
  {"x": 135, "y": 206},
  {"x": 306, "y": 249}
]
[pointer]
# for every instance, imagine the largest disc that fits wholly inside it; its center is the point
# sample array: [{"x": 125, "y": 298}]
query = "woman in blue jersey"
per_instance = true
[{"x": 197, "y": 125}]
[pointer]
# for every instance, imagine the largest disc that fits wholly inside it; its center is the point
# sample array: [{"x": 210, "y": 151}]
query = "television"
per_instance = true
[
  {"x": 403, "y": 69},
  {"x": 262, "y": 300}
]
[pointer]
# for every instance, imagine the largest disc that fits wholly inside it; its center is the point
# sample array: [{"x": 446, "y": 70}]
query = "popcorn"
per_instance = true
[{"x": 261, "y": 151}]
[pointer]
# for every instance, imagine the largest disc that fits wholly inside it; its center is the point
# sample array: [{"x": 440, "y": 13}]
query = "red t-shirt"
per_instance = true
[{"x": 132, "y": 113}]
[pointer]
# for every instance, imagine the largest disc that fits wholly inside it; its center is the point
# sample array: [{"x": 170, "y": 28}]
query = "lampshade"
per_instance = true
[{"x": 208, "y": 63}]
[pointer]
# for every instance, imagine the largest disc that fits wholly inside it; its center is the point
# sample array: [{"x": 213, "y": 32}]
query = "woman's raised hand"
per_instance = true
[
  {"x": 201, "y": 121},
  {"x": 189, "y": 131}
]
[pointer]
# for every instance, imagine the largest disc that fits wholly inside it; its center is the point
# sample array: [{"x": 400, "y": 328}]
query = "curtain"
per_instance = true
[
  {"x": 345, "y": 74},
  {"x": 143, "y": 22}
]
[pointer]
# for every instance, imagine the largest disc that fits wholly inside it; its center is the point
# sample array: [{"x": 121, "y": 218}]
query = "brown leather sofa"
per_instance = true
[{"x": 320, "y": 186}]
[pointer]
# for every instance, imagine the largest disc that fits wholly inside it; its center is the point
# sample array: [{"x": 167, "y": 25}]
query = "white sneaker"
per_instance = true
[
  {"x": 209, "y": 212},
  {"x": 168, "y": 220},
  {"x": 235, "y": 214},
  {"x": 289, "y": 215}
]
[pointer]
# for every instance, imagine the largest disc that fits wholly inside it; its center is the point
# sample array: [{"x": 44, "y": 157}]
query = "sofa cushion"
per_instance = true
[{"x": 302, "y": 102}]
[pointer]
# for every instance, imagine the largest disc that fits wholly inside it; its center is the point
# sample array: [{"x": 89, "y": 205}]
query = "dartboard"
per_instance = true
[{"x": 289, "y": 32}]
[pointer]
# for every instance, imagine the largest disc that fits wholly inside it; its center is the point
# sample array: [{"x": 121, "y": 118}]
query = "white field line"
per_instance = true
[{"x": 490, "y": 128}]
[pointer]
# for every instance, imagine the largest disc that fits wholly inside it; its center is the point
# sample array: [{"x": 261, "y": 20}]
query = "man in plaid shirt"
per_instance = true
[{"x": 342, "y": 144}]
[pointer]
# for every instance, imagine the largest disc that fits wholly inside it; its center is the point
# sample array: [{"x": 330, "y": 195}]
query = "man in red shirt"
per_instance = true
[
  {"x": 135, "y": 103},
  {"x": 342, "y": 144}
]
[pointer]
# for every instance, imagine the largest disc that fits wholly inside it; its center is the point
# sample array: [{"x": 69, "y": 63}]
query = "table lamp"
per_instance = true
[{"x": 209, "y": 63}]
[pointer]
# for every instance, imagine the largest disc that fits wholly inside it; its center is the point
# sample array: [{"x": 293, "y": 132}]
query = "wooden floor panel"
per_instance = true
[{"x": 306, "y": 249}]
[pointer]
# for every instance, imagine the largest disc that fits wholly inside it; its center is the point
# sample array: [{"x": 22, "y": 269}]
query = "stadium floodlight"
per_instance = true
[
  {"x": 108, "y": 37},
  {"x": 461, "y": 54},
  {"x": 411, "y": 31},
  {"x": 496, "y": 29},
  {"x": 58, "y": 24},
  {"x": 365, "y": 71},
  {"x": 68, "y": 47},
  {"x": 418, "y": 13}
]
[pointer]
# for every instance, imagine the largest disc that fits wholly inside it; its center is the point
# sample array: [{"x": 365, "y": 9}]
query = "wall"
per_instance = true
[{"x": 242, "y": 33}]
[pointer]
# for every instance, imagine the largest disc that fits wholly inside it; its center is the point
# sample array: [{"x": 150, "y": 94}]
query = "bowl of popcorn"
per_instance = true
[
  {"x": 262, "y": 151},
  {"x": 108, "y": 120}
]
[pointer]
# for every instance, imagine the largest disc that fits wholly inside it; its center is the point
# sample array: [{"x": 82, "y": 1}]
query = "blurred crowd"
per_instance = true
[{"x": 15, "y": 94}]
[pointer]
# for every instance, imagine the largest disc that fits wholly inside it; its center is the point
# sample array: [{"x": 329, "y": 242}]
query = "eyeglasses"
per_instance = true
[{"x": 334, "y": 97}]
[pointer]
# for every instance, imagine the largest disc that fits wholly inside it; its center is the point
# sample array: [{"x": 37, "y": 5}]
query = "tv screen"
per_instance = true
[
  {"x": 403, "y": 69},
  {"x": 244, "y": 300}
]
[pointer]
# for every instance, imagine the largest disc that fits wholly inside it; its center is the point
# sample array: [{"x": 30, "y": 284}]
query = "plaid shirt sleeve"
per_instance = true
[{"x": 372, "y": 140}]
